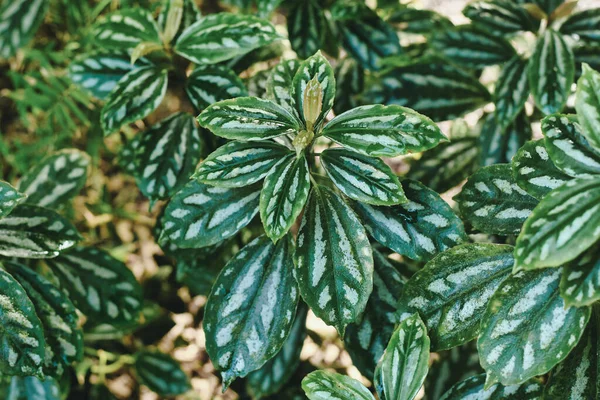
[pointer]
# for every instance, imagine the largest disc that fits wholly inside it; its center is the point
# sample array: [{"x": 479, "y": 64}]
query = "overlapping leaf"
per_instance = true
[
  {"x": 349, "y": 80},
  {"x": 474, "y": 387},
  {"x": 561, "y": 227},
  {"x": 306, "y": 27},
  {"x": 388, "y": 131},
  {"x": 280, "y": 82},
  {"x": 404, "y": 364},
  {"x": 580, "y": 282},
  {"x": 19, "y": 20},
  {"x": 208, "y": 84},
  {"x": 201, "y": 215},
  {"x": 584, "y": 24},
  {"x": 32, "y": 388},
  {"x": 500, "y": 16},
  {"x": 125, "y": 29},
  {"x": 99, "y": 285},
  {"x": 512, "y": 90},
  {"x": 587, "y": 104},
  {"x": 334, "y": 261},
  {"x": 189, "y": 15},
  {"x": 415, "y": 20},
  {"x": 452, "y": 290},
  {"x": 22, "y": 348},
  {"x": 56, "y": 179},
  {"x": 417, "y": 229},
  {"x": 322, "y": 385},
  {"x": 251, "y": 308},
  {"x": 499, "y": 143},
  {"x": 161, "y": 373},
  {"x": 9, "y": 198},
  {"x": 526, "y": 329},
  {"x": 534, "y": 171},
  {"x": 135, "y": 96},
  {"x": 223, "y": 36},
  {"x": 35, "y": 232}
]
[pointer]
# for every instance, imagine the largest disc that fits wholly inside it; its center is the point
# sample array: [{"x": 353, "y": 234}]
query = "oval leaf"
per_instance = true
[
  {"x": 125, "y": 29},
  {"x": 9, "y": 198},
  {"x": 322, "y": 385},
  {"x": 587, "y": 104},
  {"x": 500, "y": 143},
  {"x": 279, "y": 84},
  {"x": 511, "y": 91},
  {"x": 19, "y": 20},
  {"x": 208, "y": 84},
  {"x": 161, "y": 373},
  {"x": 500, "y": 16},
  {"x": 580, "y": 282},
  {"x": 474, "y": 388},
  {"x": 32, "y": 388},
  {"x": 584, "y": 25},
  {"x": 306, "y": 27}
]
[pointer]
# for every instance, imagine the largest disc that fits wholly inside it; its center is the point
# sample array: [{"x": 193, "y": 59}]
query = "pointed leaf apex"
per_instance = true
[{"x": 490, "y": 381}]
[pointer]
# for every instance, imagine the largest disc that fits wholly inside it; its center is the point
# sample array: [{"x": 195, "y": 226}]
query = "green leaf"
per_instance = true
[
  {"x": 248, "y": 118},
  {"x": 166, "y": 156},
  {"x": 19, "y": 20},
  {"x": 161, "y": 373},
  {"x": 350, "y": 77},
  {"x": 471, "y": 47},
  {"x": 306, "y": 27},
  {"x": 32, "y": 388},
  {"x": 366, "y": 339},
  {"x": 22, "y": 345},
  {"x": 56, "y": 179},
  {"x": 417, "y": 229},
  {"x": 223, "y": 36},
  {"x": 432, "y": 87},
  {"x": 385, "y": 131},
  {"x": 474, "y": 388},
  {"x": 452, "y": 290},
  {"x": 251, "y": 308},
  {"x": 362, "y": 178},
  {"x": 500, "y": 143},
  {"x": 577, "y": 376},
  {"x": 284, "y": 194},
  {"x": 503, "y": 17},
  {"x": 35, "y": 232},
  {"x": 414, "y": 20},
  {"x": 568, "y": 148},
  {"x": 404, "y": 364},
  {"x": 334, "y": 261},
  {"x": 190, "y": 14},
  {"x": 9, "y": 198},
  {"x": 548, "y": 6},
  {"x": 125, "y": 29},
  {"x": 280, "y": 82},
  {"x": 208, "y": 84},
  {"x": 257, "y": 84},
  {"x": 99, "y": 285},
  {"x": 493, "y": 202},
  {"x": 584, "y": 25},
  {"x": 511, "y": 91},
  {"x": 136, "y": 95},
  {"x": 561, "y": 227},
  {"x": 587, "y": 104},
  {"x": 534, "y": 171},
  {"x": 239, "y": 164},
  {"x": 317, "y": 67},
  {"x": 276, "y": 372},
  {"x": 201, "y": 215},
  {"x": 63, "y": 337},
  {"x": 551, "y": 71},
  {"x": 323, "y": 385},
  {"x": 580, "y": 283},
  {"x": 526, "y": 329}
]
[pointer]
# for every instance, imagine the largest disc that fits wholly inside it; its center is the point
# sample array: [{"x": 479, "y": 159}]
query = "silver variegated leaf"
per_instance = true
[
  {"x": 404, "y": 364},
  {"x": 452, "y": 291},
  {"x": 385, "y": 131},
  {"x": 350, "y": 82},
  {"x": 200, "y": 215},
  {"x": 35, "y": 232},
  {"x": 248, "y": 118},
  {"x": 584, "y": 25},
  {"x": 99, "y": 285},
  {"x": 503, "y": 17},
  {"x": 551, "y": 71},
  {"x": 472, "y": 47},
  {"x": 32, "y": 388},
  {"x": 568, "y": 148},
  {"x": 56, "y": 179},
  {"x": 367, "y": 339},
  {"x": 418, "y": 229},
  {"x": 474, "y": 388},
  {"x": 493, "y": 202},
  {"x": 125, "y": 29},
  {"x": 511, "y": 91},
  {"x": 208, "y": 84},
  {"x": 499, "y": 143},
  {"x": 416, "y": 20},
  {"x": 562, "y": 226},
  {"x": 580, "y": 282},
  {"x": 323, "y": 385},
  {"x": 276, "y": 372},
  {"x": 223, "y": 36},
  {"x": 189, "y": 14},
  {"x": 280, "y": 82},
  {"x": 161, "y": 373},
  {"x": 576, "y": 377},
  {"x": 22, "y": 345},
  {"x": 334, "y": 260},
  {"x": 9, "y": 198},
  {"x": 527, "y": 329},
  {"x": 19, "y": 20},
  {"x": 251, "y": 308},
  {"x": 166, "y": 155},
  {"x": 257, "y": 84},
  {"x": 317, "y": 67},
  {"x": 587, "y": 104},
  {"x": 306, "y": 27},
  {"x": 136, "y": 95},
  {"x": 63, "y": 337},
  {"x": 284, "y": 193},
  {"x": 239, "y": 164},
  {"x": 126, "y": 158},
  {"x": 362, "y": 178},
  {"x": 534, "y": 171}
]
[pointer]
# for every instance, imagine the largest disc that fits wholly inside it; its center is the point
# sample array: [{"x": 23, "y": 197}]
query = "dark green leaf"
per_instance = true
[
  {"x": 280, "y": 83},
  {"x": 512, "y": 91},
  {"x": 208, "y": 84},
  {"x": 19, "y": 20},
  {"x": 500, "y": 17},
  {"x": 190, "y": 14},
  {"x": 306, "y": 27},
  {"x": 474, "y": 388},
  {"x": 32, "y": 388},
  {"x": 413, "y": 20},
  {"x": 500, "y": 143},
  {"x": 587, "y": 104},
  {"x": 9, "y": 198},
  {"x": 322, "y": 385},
  {"x": 584, "y": 24},
  {"x": 349, "y": 81},
  {"x": 161, "y": 373},
  {"x": 125, "y": 29},
  {"x": 580, "y": 283}
]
